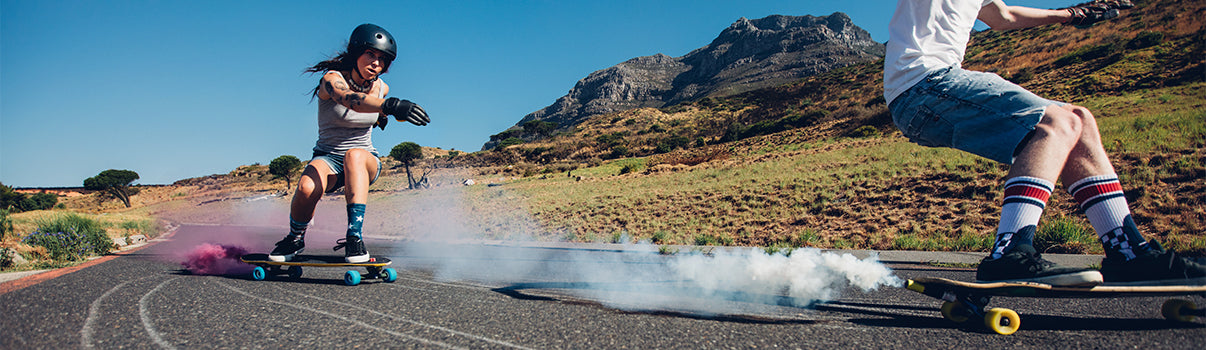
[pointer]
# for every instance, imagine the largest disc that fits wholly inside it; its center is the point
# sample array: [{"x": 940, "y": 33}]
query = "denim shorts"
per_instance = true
[
  {"x": 335, "y": 162},
  {"x": 976, "y": 112}
]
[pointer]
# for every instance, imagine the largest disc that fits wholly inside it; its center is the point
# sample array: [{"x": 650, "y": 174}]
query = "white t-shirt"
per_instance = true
[{"x": 925, "y": 35}]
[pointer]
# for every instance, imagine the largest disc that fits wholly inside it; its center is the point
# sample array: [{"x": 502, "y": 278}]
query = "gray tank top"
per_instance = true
[{"x": 340, "y": 128}]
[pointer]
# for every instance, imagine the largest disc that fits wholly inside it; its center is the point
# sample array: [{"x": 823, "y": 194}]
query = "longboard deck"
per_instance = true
[
  {"x": 1041, "y": 290},
  {"x": 964, "y": 301},
  {"x": 313, "y": 260}
]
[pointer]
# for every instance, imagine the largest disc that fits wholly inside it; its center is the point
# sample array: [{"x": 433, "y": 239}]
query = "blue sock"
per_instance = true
[
  {"x": 297, "y": 229},
  {"x": 355, "y": 220}
]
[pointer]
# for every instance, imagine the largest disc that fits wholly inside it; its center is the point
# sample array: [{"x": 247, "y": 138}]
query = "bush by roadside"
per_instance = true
[{"x": 47, "y": 239}]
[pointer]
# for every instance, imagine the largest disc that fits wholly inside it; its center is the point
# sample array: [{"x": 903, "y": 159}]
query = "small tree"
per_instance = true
[
  {"x": 539, "y": 127},
  {"x": 9, "y": 199},
  {"x": 117, "y": 183},
  {"x": 406, "y": 153},
  {"x": 284, "y": 166}
]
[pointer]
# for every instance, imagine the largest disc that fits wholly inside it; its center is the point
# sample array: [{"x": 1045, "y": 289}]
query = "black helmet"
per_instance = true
[{"x": 368, "y": 36}]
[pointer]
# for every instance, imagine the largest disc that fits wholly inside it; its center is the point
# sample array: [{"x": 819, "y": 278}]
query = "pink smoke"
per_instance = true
[{"x": 215, "y": 259}]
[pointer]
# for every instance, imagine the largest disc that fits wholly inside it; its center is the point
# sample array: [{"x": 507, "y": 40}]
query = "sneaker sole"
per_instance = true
[
  {"x": 1079, "y": 279},
  {"x": 284, "y": 258},
  {"x": 1170, "y": 282},
  {"x": 357, "y": 258}
]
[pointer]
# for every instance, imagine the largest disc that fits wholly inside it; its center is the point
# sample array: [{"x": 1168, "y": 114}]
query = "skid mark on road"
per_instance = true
[
  {"x": 464, "y": 285},
  {"x": 87, "y": 331},
  {"x": 358, "y": 323},
  {"x": 417, "y": 323},
  {"x": 146, "y": 317}
]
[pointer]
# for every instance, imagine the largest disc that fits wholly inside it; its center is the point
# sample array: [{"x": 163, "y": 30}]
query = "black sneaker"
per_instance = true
[
  {"x": 1024, "y": 264},
  {"x": 1155, "y": 266},
  {"x": 355, "y": 252},
  {"x": 287, "y": 248}
]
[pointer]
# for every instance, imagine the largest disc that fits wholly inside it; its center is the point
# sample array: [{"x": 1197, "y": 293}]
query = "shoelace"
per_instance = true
[{"x": 1034, "y": 262}]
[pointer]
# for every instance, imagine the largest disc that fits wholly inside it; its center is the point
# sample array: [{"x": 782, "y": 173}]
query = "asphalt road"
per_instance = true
[{"x": 477, "y": 299}]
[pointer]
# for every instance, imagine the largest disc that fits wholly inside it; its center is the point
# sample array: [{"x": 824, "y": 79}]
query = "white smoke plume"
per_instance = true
[{"x": 630, "y": 277}]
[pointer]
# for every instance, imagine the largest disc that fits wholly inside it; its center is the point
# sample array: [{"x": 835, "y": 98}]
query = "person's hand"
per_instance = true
[
  {"x": 405, "y": 110},
  {"x": 1089, "y": 13},
  {"x": 381, "y": 121}
]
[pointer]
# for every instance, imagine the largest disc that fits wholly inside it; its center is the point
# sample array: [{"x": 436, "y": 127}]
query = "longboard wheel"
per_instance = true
[
  {"x": 258, "y": 273},
  {"x": 1174, "y": 310},
  {"x": 390, "y": 274},
  {"x": 351, "y": 277},
  {"x": 955, "y": 311},
  {"x": 1002, "y": 321},
  {"x": 295, "y": 272}
]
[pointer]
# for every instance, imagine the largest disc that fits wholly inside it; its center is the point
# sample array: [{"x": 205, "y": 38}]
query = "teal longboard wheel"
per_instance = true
[
  {"x": 258, "y": 273},
  {"x": 351, "y": 278}
]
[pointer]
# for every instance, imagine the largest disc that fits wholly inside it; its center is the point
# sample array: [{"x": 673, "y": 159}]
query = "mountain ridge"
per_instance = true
[{"x": 748, "y": 55}]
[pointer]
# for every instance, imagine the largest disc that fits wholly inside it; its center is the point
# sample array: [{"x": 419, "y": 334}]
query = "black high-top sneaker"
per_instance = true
[
  {"x": 1024, "y": 264},
  {"x": 354, "y": 252},
  {"x": 1153, "y": 266},
  {"x": 287, "y": 248}
]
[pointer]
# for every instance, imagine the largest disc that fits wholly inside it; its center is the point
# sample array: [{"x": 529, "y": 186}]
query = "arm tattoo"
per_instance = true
[
  {"x": 326, "y": 86},
  {"x": 352, "y": 99}
]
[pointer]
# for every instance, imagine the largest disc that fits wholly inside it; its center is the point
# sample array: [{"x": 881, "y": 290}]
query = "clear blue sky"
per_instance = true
[{"x": 180, "y": 89}]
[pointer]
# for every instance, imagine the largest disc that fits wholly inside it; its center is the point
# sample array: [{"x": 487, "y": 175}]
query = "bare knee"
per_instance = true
[
  {"x": 355, "y": 156},
  {"x": 311, "y": 182},
  {"x": 1066, "y": 123},
  {"x": 307, "y": 185}
]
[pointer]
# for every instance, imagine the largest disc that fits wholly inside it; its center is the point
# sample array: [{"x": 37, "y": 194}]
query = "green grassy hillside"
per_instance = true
[{"x": 818, "y": 162}]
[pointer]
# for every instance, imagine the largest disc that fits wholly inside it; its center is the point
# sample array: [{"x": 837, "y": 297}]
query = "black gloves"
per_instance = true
[
  {"x": 404, "y": 110},
  {"x": 381, "y": 121},
  {"x": 1089, "y": 13}
]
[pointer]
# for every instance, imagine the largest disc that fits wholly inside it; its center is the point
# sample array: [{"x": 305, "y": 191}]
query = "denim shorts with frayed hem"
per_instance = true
[
  {"x": 980, "y": 113},
  {"x": 335, "y": 162}
]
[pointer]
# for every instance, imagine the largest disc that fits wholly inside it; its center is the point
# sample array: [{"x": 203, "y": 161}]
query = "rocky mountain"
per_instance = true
[{"x": 748, "y": 55}]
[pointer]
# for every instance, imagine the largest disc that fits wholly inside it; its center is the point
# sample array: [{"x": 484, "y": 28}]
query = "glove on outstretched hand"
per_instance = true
[
  {"x": 1089, "y": 13},
  {"x": 405, "y": 110}
]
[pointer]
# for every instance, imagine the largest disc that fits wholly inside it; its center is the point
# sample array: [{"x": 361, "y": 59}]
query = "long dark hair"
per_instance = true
[{"x": 343, "y": 62}]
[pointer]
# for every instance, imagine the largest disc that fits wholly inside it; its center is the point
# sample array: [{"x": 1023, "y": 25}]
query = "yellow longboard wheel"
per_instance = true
[
  {"x": 1173, "y": 310},
  {"x": 955, "y": 311},
  {"x": 1002, "y": 321}
]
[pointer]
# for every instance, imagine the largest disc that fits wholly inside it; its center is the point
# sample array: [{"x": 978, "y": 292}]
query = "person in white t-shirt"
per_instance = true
[{"x": 936, "y": 103}]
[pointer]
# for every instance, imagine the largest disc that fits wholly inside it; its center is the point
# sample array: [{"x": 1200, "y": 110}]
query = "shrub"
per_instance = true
[
  {"x": 71, "y": 237},
  {"x": 611, "y": 139},
  {"x": 144, "y": 227},
  {"x": 510, "y": 141},
  {"x": 865, "y": 131},
  {"x": 1088, "y": 53},
  {"x": 1145, "y": 40},
  {"x": 6, "y": 226},
  {"x": 660, "y": 237},
  {"x": 673, "y": 143},
  {"x": 619, "y": 151},
  {"x": 1064, "y": 235}
]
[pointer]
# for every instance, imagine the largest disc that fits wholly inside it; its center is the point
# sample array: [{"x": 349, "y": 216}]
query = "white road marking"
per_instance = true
[
  {"x": 146, "y": 317},
  {"x": 359, "y": 323},
  {"x": 417, "y": 323},
  {"x": 87, "y": 331}
]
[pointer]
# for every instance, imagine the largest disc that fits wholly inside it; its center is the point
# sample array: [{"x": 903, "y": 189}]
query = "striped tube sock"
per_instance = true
[
  {"x": 1102, "y": 200},
  {"x": 1025, "y": 198},
  {"x": 297, "y": 228}
]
